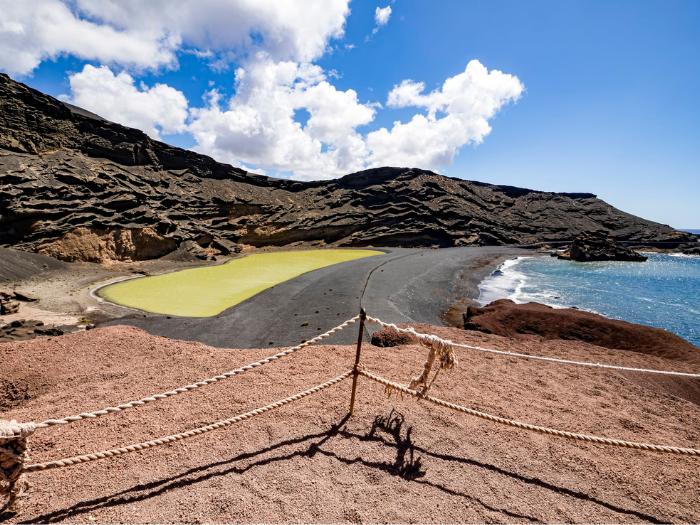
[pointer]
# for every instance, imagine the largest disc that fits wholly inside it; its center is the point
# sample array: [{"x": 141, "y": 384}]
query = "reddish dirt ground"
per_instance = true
[{"x": 394, "y": 461}]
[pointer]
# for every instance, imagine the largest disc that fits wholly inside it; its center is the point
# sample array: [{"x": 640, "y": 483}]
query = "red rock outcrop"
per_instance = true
[{"x": 506, "y": 318}]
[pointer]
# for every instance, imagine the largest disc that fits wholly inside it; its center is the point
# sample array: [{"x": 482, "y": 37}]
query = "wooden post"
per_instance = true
[{"x": 356, "y": 368}]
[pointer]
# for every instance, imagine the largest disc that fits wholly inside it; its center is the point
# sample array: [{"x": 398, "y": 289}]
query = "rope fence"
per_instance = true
[
  {"x": 429, "y": 337},
  {"x": 14, "y": 435},
  {"x": 75, "y": 460},
  {"x": 527, "y": 426},
  {"x": 198, "y": 384}
]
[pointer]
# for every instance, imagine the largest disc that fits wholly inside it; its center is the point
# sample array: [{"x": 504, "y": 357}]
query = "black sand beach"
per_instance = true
[{"x": 403, "y": 286}]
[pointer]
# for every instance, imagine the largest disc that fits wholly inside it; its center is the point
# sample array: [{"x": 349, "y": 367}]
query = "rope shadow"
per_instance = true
[
  {"x": 393, "y": 427},
  {"x": 407, "y": 464}
]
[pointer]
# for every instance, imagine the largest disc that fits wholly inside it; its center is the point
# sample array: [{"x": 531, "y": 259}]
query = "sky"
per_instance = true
[{"x": 561, "y": 95}]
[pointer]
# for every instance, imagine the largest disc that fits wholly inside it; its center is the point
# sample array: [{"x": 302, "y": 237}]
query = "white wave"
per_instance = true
[{"x": 505, "y": 282}]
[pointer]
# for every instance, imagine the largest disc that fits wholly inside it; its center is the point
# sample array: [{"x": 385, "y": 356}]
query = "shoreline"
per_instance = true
[
  {"x": 572, "y": 287},
  {"x": 467, "y": 289}
]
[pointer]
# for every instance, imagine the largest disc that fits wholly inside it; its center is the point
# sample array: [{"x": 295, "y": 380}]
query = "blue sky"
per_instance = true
[{"x": 598, "y": 96}]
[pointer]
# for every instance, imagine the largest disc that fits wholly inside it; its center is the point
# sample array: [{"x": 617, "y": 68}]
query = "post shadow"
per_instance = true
[{"x": 407, "y": 465}]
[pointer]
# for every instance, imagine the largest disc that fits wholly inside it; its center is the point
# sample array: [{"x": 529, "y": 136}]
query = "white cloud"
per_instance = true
[
  {"x": 381, "y": 15},
  {"x": 457, "y": 114},
  {"x": 35, "y": 30},
  {"x": 157, "y": 109},
  {"x": 275, "y": 42},
  {"x": 381, "y": 18},
  {"x": 137, "y": 34},
  {"x": 257, "y": 125},
  {"x": 285, "y": 29}
]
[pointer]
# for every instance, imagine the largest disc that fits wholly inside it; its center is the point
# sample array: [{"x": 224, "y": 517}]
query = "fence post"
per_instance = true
[
  {"x": 356, "y": 368},
  {"x": 13, "y": 448}
]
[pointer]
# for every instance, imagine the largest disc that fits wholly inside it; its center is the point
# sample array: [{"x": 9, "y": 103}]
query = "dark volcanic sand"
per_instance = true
[
  {"x": 405, "y": 286},
  {"x": 17, "y": 265},
  {"x": 394, "y": 461}
]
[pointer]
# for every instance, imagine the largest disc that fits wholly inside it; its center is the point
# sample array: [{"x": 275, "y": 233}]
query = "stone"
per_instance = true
[
  {"x": 589, "y": 247},
  {"x": 8, "y": 307},
  {"x": 386, "y": 337}
]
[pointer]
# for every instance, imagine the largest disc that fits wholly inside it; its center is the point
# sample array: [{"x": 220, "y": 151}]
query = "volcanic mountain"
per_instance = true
[{"x": 78, "y": 187}]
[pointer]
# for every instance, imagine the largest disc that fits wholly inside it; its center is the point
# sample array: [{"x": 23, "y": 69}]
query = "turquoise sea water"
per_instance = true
[{"x": 662, "y": 292}]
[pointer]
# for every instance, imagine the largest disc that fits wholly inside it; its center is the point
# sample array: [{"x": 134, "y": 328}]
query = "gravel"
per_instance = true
[{"x": 395, "y": 460}]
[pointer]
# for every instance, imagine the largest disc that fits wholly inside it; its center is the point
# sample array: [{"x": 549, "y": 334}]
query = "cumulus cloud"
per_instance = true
[
  {"x": 257, "y": 126},
  {"x": 275, "y": 44},
  {"x": 133, "y": 33},
  {"x": 285, "y": 29},
  {"x": 155, "y": 110},
  {"x": 35, "y": 30},
  {"x": 457, "y": 114}
]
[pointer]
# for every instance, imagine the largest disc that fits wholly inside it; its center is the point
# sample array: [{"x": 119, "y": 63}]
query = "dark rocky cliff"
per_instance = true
[{"x": 68, "y": 176}]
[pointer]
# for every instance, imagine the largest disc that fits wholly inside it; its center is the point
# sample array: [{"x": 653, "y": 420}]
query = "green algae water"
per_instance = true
[{"x": 208, "y": 291}]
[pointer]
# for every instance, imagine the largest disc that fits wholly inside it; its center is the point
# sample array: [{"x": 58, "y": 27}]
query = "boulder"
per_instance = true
[
  {"x": 387, "y": 337},
  {"x": 8, "y": 303},
  {"x": 589, "y": 247},
  {"x": 21, "y": 329}
]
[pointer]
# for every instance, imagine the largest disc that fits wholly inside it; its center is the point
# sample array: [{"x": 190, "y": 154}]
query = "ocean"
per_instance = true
[{"x": 663, "y": 292}]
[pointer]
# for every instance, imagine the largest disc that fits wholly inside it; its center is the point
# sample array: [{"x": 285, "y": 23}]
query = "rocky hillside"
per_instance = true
[{"x": 78, "y": 187}]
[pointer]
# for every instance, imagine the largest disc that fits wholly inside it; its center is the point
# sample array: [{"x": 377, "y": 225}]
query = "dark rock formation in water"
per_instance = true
[
  {"x": 505, "y": 318},
  {"x": 63, "y": 169},
  {"x": 589, "y": 247}
]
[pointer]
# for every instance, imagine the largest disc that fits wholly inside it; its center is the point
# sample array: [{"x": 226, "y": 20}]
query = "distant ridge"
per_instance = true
[{"x": 76, "y": 186}]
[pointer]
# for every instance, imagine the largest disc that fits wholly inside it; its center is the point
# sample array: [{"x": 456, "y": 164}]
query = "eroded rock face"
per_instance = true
[
  {"x": 101, "y": 246},
  {"x": 506, "y": 318},
  {"x": 589, "y": 247},
  {"x": 62, "y": 169}
]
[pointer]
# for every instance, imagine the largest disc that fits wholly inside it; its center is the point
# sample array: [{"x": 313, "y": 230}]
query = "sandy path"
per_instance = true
[{"x": 395, "y": 461}]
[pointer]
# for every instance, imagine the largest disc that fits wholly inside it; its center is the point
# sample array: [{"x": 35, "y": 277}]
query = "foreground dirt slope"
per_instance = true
[
  {"x": 78, "y": 187},
  {"x": 394, "y": 461}
]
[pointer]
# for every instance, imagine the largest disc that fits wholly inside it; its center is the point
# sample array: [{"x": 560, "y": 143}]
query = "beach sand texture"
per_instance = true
[{"x": 396, "y": 460}]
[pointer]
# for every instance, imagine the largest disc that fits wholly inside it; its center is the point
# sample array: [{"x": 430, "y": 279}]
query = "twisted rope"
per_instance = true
[
  {"x": 440, "y": 350},
  {"x": 198, "y": 384},
  {"x": 75, "y": 460},
  {"x": 419, "y": 335},
  {"x": 527, "y": 426}
]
